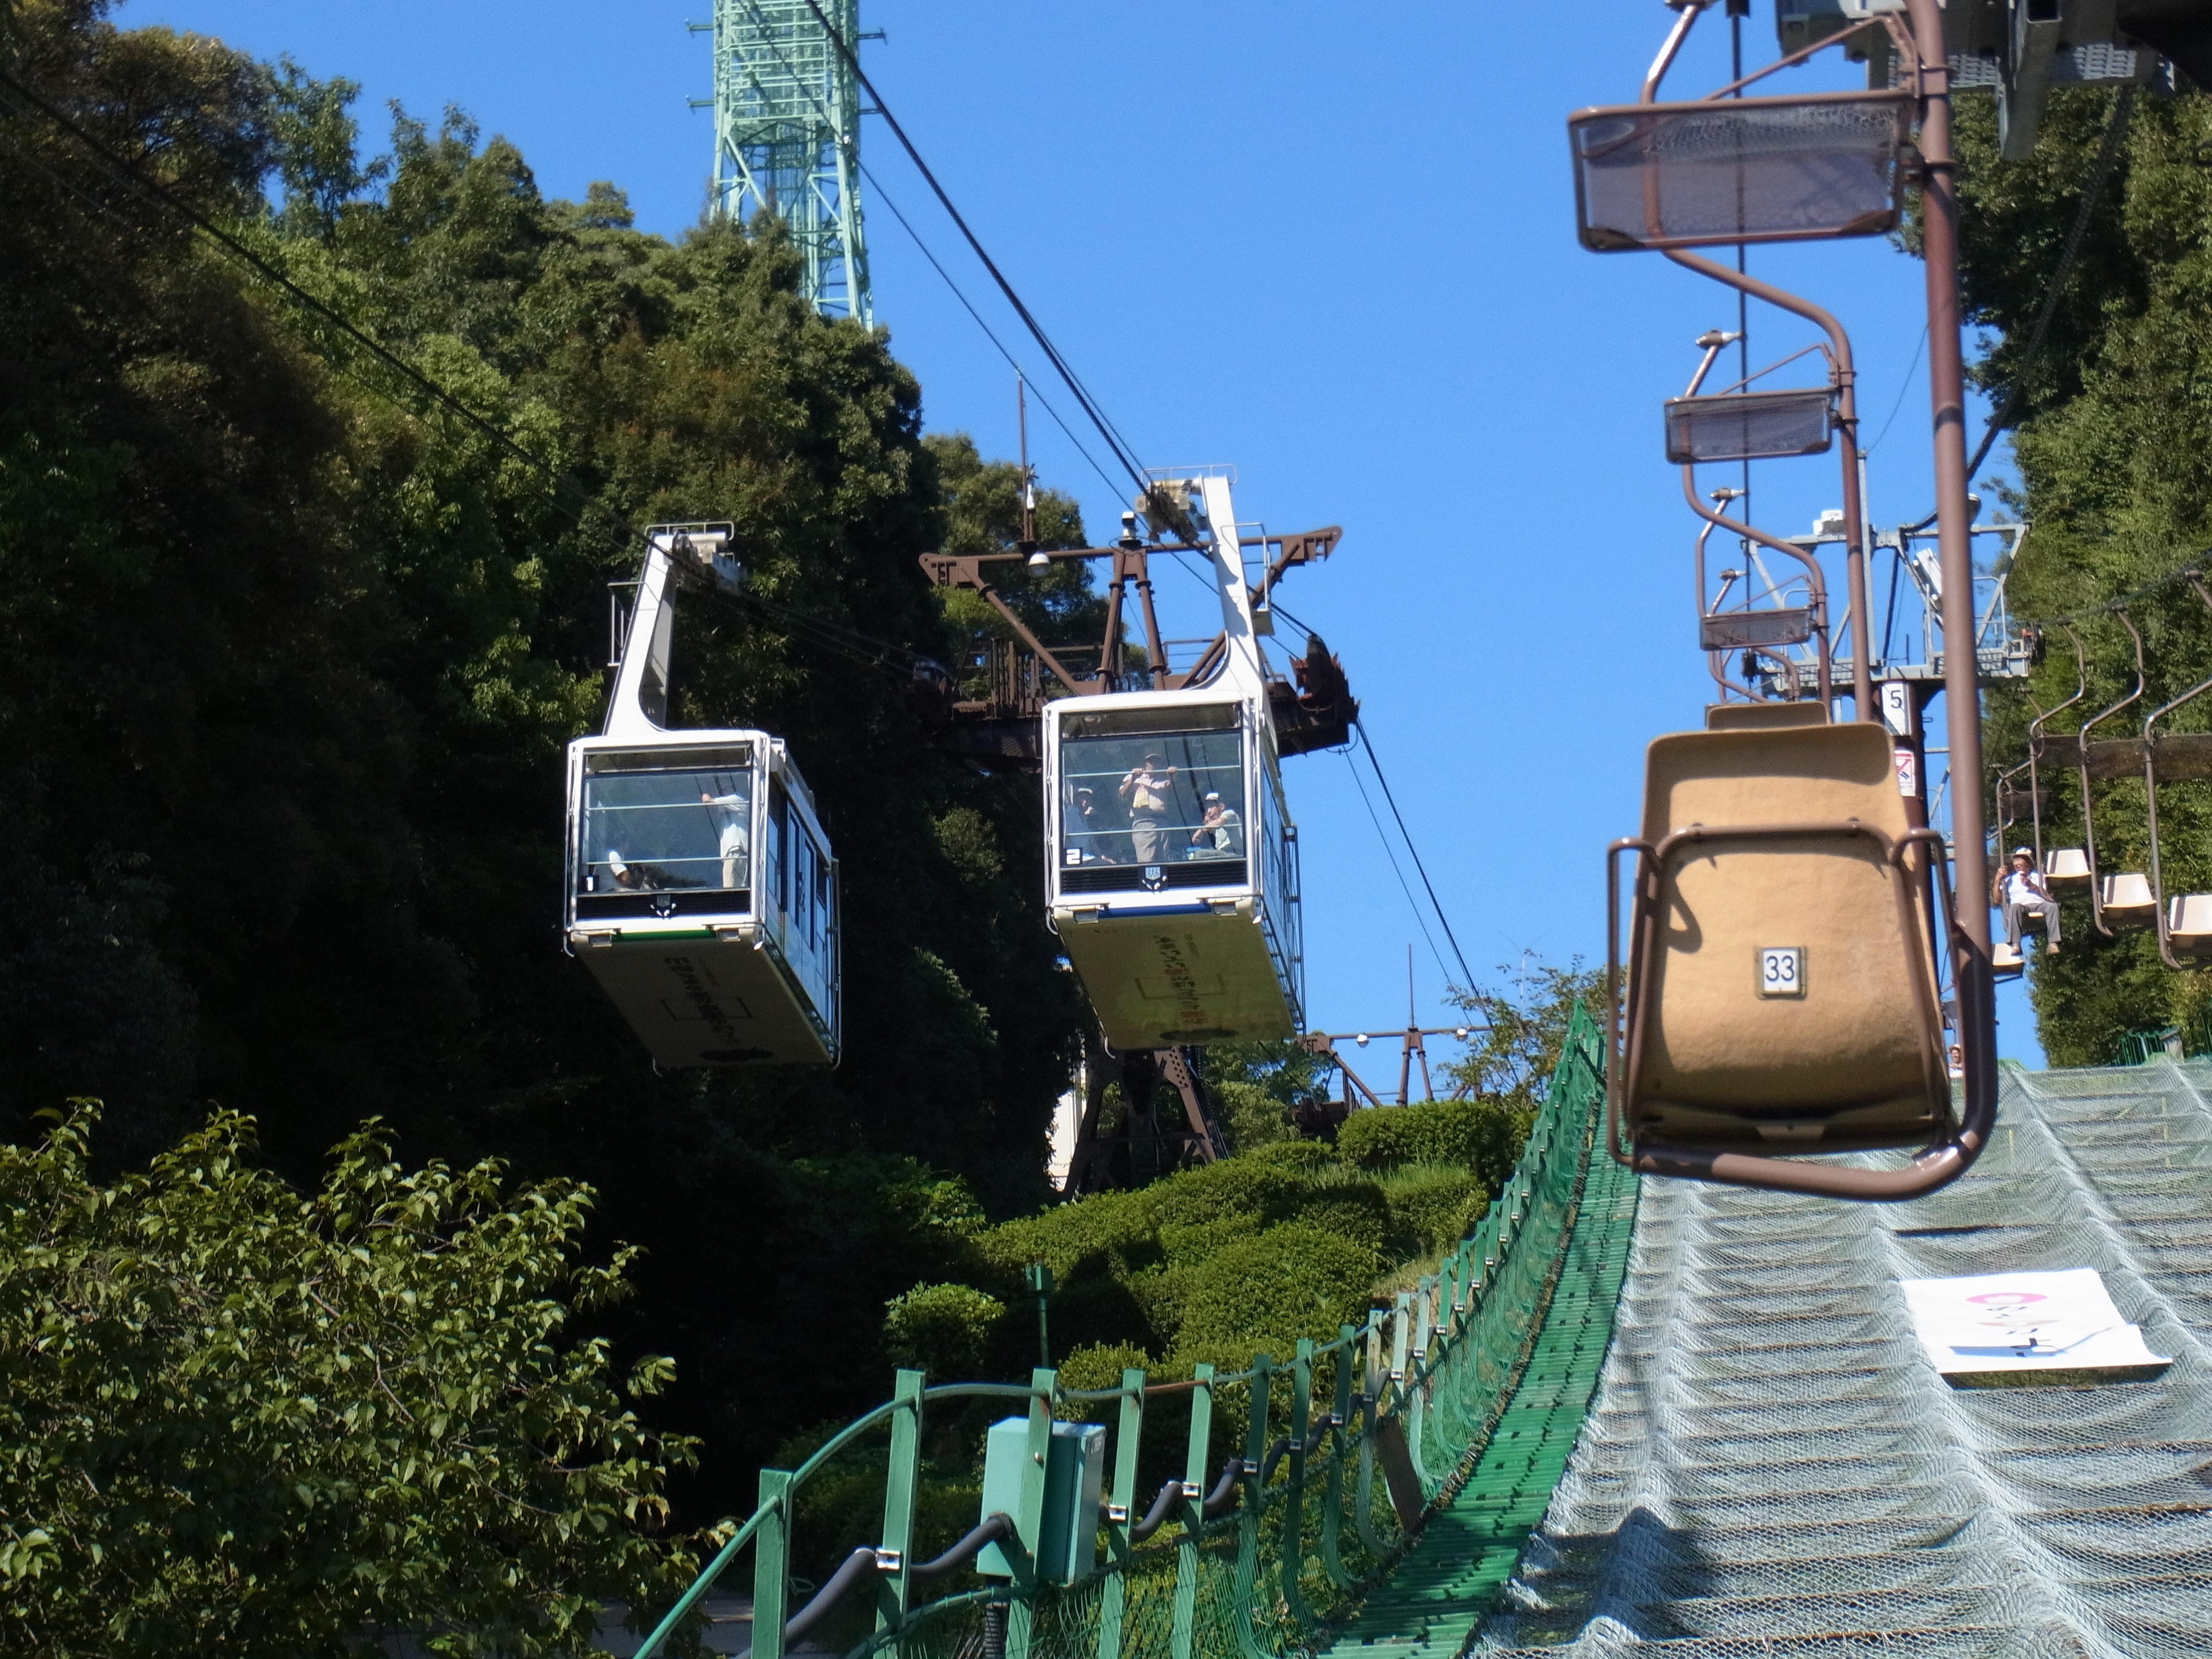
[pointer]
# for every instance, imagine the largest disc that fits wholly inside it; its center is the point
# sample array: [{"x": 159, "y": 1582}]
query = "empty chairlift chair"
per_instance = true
[
  {"x": 2125, "y": 900},
  {"x": 2067, "y": 868},
  {"x": 701, "y": 893},
  {"x": 1781, "y": 995},
  {"x": 2185, "y": 919}
]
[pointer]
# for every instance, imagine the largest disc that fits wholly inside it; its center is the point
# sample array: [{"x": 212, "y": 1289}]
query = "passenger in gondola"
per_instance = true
[
  {"x": 2020, "y": 892},
  {"x": 1218, "y": 832},
  {"x": 1094, "y": 843},
  {"x": 643, "y": 877},
  {"x": 735, "y": 846},
  {"x": 1145, "y": 788}
]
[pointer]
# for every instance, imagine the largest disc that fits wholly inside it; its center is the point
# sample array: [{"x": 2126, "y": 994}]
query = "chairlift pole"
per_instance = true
[{"x": 1946, "y": 389}]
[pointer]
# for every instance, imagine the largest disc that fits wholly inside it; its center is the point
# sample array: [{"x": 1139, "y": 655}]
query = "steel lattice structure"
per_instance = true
[{"x": 788, "y": 136}]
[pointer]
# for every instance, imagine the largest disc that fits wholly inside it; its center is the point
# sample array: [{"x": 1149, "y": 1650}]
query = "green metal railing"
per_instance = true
[
  {"x": 2190, "y": 1039},
  {"x": 1257, "y": 1560}
]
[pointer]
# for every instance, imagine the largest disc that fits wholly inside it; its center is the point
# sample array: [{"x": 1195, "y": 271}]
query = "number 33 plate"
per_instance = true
[{"x": 1782, "y": 970}]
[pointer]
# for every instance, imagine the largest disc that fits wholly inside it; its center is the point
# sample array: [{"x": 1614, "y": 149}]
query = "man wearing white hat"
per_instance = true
[{"x": 2019, "y": 892}]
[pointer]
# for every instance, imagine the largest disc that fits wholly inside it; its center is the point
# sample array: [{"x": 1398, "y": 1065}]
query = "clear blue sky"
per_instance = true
[{"x": 1331, "y": 244}]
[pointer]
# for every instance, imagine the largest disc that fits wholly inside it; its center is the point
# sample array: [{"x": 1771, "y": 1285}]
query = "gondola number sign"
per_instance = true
[{"x": 1782, "y": 970}]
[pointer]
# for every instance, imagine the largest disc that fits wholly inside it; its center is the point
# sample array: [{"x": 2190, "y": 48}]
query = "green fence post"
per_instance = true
[
  {"x": 1417, "y": 1373},
  {"x": 901, "y": 1477},
  {"x": 1255, "y": 1504},
  {"x": 772, "y": 1566},
  {"x": 1332, "y": 1500},
  {"x": 1371, "y": 1399},
  {"x": 1294, "y": 1492},
  {"x": 1121, "y": 1512},
  {"x": 1194, "y": 1492},
  {"x": 1021, "y": 1611}
]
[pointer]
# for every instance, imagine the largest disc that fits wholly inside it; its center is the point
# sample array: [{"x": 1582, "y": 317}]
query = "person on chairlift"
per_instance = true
[
  {"x": 1216, "y": 834},
  {"x": 1145, "y": 788},
  {"x": 2021, "y": 893}
]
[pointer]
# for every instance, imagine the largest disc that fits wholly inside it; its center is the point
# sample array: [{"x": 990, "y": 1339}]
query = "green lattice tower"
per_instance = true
[{"x": 788, "y": 136}]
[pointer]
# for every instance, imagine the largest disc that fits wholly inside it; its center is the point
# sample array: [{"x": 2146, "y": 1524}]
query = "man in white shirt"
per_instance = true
[
  {"x": 734, "y": 845},
  {"x": 2020, "y": 892}
]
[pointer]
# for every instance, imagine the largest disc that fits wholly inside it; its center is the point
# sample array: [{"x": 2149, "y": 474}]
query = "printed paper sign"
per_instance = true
[{"x": 2024, "y": 1321}]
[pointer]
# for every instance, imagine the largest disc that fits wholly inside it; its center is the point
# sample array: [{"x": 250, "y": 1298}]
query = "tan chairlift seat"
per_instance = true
[
  {"x": 1763, "y": 716},
  {"x": 2068, "y": 867},
  {"x": 1793, "y": 841},
  {"x": 2188, "y": 923},
  {"x": 2005, "y": 963},
  {"x": 2126, "y": 900}
]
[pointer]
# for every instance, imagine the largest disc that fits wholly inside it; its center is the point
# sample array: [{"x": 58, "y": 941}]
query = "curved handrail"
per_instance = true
[
  {"x": 2150, "y": 792},
  {"x": 2081, "y": 759}
]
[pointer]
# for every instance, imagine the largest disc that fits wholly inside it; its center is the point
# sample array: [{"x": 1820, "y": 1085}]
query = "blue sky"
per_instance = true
[{"x": 1334, "y": 246}]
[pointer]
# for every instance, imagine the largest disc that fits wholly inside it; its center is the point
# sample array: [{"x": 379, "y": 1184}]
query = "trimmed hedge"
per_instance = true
[
  {"x": 1218, "y": 1263},
  {"x": 1481, "y": 1135}
]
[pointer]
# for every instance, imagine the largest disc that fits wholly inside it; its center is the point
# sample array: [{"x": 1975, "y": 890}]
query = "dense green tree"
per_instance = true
[
  {"x": 289, "y": 649},
  {"x": 235, "y": 1421},
  {"x": 2113, "y": 442}
]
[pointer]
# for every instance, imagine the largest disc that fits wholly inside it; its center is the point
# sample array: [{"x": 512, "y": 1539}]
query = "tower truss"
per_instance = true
[{"x": 788, "y": 138}]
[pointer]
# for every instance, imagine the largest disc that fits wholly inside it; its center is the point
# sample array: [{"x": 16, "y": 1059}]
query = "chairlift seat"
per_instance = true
[
  {"x": 2005, "y": 963},
  {"x": 1796, "y": 840},
  {"x": 2188, "y": 923},
  {"x": 2068, "y": 867},
  {"x": 1763, "y": 716},
  {"x": 2126, "y": 900}
]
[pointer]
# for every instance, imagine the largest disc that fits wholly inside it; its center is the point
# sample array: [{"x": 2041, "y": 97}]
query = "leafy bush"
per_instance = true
[
  {"x": 1481, "y": 1135},
  {"x": 236, "y": 1420},
  {"x": 1267, "y": 1290},
  {"x": 943, "y": 1329}
]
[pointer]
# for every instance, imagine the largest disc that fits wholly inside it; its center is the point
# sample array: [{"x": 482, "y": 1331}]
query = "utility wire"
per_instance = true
[
  {"x": 1901, "y": 391},
  {"x": 238, "y": 250},
  {"x": 1442, "y": 920},
  {"x": 823, "y": 110},
  {"x": 1390, "y": 852},
  {"x": 1114, "y": 441}
]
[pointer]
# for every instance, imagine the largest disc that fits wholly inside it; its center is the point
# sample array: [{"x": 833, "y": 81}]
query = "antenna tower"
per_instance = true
[{"x": 788, "y": 136}]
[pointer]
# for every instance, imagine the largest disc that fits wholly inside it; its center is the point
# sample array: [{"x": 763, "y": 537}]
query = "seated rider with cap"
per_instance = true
[
  {"x": 2020, "y": 892},
  {"x": 1216, "y": 837}
]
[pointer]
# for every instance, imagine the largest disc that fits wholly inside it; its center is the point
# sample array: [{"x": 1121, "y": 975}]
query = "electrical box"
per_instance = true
[{"x": 1074, "y": 1475}]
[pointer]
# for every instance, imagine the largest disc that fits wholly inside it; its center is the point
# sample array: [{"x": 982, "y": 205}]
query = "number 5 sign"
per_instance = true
[{"x": 1782, "y": 970}]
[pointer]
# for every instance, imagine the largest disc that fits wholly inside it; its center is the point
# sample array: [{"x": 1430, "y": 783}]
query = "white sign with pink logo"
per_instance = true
[{"x": 2024, "y": 1321}]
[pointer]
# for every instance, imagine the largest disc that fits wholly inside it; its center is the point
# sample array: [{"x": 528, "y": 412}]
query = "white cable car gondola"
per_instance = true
[
  {"x": 701, "y": 893},
  {"x": 1171, "y": 860}
]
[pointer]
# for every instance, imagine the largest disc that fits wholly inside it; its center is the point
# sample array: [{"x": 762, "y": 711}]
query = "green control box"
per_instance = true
[{"x": 1074, "y": 1473}]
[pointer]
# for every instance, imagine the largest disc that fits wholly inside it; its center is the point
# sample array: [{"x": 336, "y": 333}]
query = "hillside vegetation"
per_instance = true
[{"x": 2114, "y": 447}]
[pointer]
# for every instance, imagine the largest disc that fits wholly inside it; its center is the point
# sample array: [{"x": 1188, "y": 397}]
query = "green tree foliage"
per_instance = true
[
  {"x": 289, "y": 651},
  {"x": 1483, "y": 1135},
  {"x": 237, "y": 1420},
  {"x": 1519, "y": 1030},
  {"x": 2114, "y": 450}
]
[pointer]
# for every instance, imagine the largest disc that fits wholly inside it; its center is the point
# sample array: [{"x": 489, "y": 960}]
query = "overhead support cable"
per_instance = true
[
  {"x": 1467, "y": 974},
  {"x": 1122, "y": 452},
  {"x": 1390, "y": 852}
]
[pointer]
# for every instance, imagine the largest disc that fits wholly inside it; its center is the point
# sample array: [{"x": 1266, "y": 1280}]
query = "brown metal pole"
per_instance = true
[{"x": 1947, "y": 387}]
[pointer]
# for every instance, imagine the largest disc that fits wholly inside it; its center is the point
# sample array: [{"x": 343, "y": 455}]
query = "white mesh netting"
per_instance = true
[{"x": 1773, "y": 1467}]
